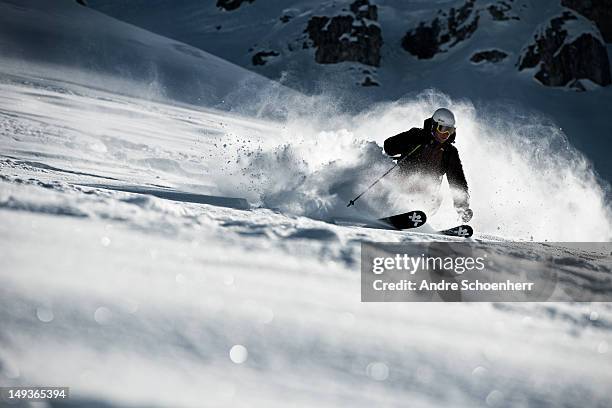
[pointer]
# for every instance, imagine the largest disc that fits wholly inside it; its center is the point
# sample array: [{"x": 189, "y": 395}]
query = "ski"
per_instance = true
[
  {"x": 408, "y": 220},
  {"x": 464, "y": 231}
]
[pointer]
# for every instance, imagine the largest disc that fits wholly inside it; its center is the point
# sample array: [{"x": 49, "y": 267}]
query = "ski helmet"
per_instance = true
[{"x": 444, "y": 117}]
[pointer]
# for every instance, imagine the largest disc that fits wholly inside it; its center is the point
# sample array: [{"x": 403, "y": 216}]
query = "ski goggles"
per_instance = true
[{"x": 448, "y": 130}]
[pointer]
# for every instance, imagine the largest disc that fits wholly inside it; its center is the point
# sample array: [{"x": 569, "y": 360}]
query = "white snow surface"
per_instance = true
[
  {"x": 73, "y": 43},
  {"x": 136, "y": 300}
]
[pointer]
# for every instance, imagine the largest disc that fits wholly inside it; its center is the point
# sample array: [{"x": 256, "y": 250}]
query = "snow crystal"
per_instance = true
[
  {"x": 495, "y": 398},
  {"x": 44, "y": 314},
  {"x": 102, "y": 315},
  {"x": 238, "y": 354},
  {"x": 378, "y": 371},
  {"x": 479, "y": 372}
]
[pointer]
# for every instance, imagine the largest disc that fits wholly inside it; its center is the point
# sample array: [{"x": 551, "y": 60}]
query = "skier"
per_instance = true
[{"x": 426, "y": 155}]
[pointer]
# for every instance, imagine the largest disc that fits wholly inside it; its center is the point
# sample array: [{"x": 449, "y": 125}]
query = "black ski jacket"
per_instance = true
[{"x": 427, "y": 156}]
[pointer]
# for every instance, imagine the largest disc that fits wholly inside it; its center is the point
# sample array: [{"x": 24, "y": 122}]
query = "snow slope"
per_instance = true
[
  {"x": 135, "y": 300},
  {"x": 184, "y": 298},
  {"x": 68, "y": 41},
  {"x": 494, "y": 88}
]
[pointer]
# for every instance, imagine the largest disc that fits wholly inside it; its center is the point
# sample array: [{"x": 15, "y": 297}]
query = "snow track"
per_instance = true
[{"x": 135, "y": 299}]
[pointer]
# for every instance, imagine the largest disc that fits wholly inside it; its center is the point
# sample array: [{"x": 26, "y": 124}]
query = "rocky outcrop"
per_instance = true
[
  {"x": 502, "y": 11},
  {"x": 598, "y": 11},
  {"x": 562, "y": 60},
  {"x": 443, "y": 32},
  {"x": 369, "y": 82},
  {"x": 289, "y": 14},
  {"x": 353, "y": 36},
  {"x": 262, "y": 57},
  {"x": 362, "y": 9},
  {"x": 230, "y": 5},
  {"x": 493, "y": 56}
]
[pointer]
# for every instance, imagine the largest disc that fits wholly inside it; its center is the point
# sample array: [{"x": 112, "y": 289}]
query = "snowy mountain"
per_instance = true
[
  {"x": 316, "y": 33},
  {"x": 366, "y": 51},
  {"x": 60, "y": 39},
  {"x": 156, "y": 253}
]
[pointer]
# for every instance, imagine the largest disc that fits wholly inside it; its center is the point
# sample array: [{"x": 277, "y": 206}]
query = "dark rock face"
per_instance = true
[
  {"x": 488, "y": 56},
  {"x": 230, "y": 5},
  {"x": 82, "y": 2},
  {"x": 562, "y": 63},
  {"x": 598, "y": 11},
  {"x": 586, "y": 57},
  {"x": 261, "y": 57},
  {"x": 369, "y": 82},
  {"x": 447, "y": 29},
  {"x": 355, "y": 37},
  {"x": 362, "y": 9},
  {"x": 501, "y": 11},
  {"x": 423, "y": 41}
]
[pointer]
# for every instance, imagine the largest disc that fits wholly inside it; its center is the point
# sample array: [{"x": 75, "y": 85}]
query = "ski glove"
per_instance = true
[{"x": 466, "y": 214}]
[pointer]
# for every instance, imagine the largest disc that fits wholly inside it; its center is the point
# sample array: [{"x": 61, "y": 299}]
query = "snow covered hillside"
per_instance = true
[
  {"x": 155, "y": 253},
  {"x": 60, "y": 39},
  {"x": 531, "y": 55},
  {"x": 136, "y": 300}
]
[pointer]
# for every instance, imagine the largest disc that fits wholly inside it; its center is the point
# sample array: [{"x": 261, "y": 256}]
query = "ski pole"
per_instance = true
[{"x": 352, "y": 202}]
